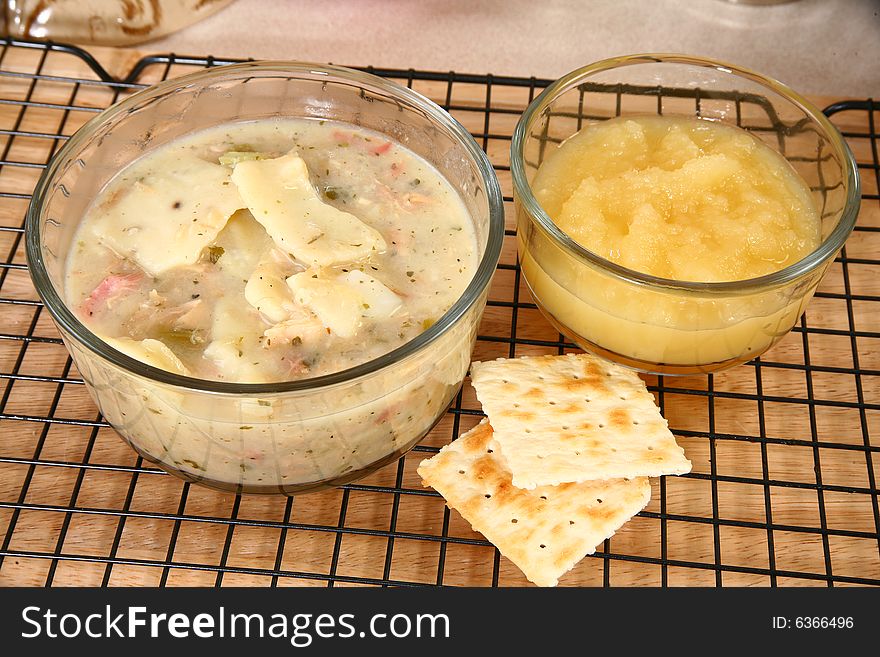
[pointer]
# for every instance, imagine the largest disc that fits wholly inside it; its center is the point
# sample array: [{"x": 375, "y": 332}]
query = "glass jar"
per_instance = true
[{"x": 102, "y": 22}]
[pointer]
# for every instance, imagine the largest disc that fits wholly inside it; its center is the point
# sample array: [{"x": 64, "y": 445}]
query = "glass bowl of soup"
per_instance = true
[
  {"x": 270, "y": 274},
  {"x": 676, "y": 214}
]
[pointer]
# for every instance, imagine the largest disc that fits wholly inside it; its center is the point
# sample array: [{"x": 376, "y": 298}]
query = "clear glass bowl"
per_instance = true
[
  {"x": 659, "y": 325},
  {"x": 287, "y": 437},
  {"x": 106, "y": 22}
]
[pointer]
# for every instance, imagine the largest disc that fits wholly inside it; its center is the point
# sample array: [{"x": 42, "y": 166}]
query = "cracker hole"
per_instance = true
[
  {"x": 542, "y": 546},
  {"x": 635, "y": 421},
  {"x": 565, "y": 427},
  {"x": 461, "y": 472},
  {"x": 490, "y": 451},
  {"x": 571, "y": 522},
  {"x": 601, "y": 426},
  {"x": 528, "y": 431},
  {"x": 514, "y": 520},
  {"x": 599, "y": 500},
  {"x": 487, "y": 496},
  {"x": 650, "y": 449},
  {"x": 577, "y": 453},
  {"x": 552, "y": 403},
  {"x": 613, "y": 449}
]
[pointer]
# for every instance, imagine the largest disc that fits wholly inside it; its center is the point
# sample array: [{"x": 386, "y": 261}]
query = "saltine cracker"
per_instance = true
[
  {"x": 574, "y": 418},
  {"x": 545, "y": 531}
]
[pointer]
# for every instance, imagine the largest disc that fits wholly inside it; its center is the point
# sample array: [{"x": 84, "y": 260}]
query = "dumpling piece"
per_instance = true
[
  {"x": 243, "y": 242},
  {"x": 342, "y": 301},
  {"x": 235, "y": 331},
  {"x": 267, "y": 289},
  {"x": 377, "y": 300},
  {"x": 149, "y": 351},
  {"x": 302, "y": 326},
  {"x": 280, "y": 195},
  {"x": 165, "y": 218}
]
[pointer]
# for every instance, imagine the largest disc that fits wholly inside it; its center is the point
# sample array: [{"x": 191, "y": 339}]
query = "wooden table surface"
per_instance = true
[{"x": 790, "y": 500}]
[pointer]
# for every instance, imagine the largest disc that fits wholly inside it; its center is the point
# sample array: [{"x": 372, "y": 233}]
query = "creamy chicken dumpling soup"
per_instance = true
[{"x": 270, "y": 251}]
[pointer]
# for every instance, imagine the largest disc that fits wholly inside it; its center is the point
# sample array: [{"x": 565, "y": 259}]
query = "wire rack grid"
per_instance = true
[{"x": 783, "y": 492}]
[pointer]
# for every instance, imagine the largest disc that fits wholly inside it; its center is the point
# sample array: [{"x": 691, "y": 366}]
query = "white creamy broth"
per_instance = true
[{"x": 270, "y": 251}]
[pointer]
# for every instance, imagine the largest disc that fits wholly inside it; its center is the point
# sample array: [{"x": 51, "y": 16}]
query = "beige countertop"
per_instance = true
[{"x": 829, "y": 47}]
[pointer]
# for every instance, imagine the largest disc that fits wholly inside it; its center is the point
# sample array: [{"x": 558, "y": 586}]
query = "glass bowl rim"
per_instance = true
[
  {"x": 304, "y": 71},
  {"x": 829, "y": 246}
]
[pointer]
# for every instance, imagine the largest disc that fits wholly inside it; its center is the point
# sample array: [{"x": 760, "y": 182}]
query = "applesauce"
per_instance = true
[{"x": 680, "y": 199}]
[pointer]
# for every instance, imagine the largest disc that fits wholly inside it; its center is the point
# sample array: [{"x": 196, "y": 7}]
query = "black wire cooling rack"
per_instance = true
[{"x": 784, "y": 487}]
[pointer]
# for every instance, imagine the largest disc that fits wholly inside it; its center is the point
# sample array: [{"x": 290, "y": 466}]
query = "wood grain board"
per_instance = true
[{"x": 786, "y": 453}]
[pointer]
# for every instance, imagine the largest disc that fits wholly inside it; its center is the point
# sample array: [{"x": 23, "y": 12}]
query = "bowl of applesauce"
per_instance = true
[
  {"x": 676, "y": 214},
  {"x": 270, "y": 274}
]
